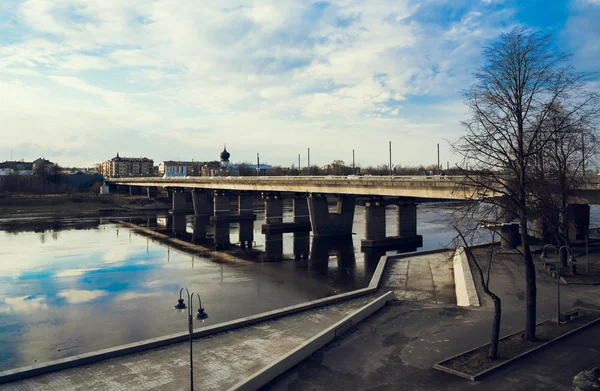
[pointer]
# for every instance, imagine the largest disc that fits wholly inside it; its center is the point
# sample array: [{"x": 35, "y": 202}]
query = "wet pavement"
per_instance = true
[
  {"x": 396, "y": 348},
  {"x": 424, "y": 278}
]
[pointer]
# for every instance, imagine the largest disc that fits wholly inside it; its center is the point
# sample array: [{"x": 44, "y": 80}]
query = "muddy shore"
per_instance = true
[{"x": 22, "y": 207}]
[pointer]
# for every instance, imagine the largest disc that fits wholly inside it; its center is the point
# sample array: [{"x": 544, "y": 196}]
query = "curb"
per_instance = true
[
  {"x": 153, "y": 343},
  {"x": 286, "y": 362},
  {"x": 436, "y": 250},
  {"x": 466, "y": 293},
  {"x": 440, "y": 365}
]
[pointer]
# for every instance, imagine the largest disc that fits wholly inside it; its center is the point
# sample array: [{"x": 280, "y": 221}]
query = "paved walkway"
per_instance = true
[
  {"x": 220, "y": 361},
  {"x": 424, "y": 278},
  {"x": 396, "y": 348}
]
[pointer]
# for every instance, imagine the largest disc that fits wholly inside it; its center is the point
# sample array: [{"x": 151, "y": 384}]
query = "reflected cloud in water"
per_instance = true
[{"x": 78, "y": 296}]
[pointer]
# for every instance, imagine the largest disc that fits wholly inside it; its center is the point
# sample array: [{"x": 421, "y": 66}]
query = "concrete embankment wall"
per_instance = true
[{"x": 466, "y": 293}]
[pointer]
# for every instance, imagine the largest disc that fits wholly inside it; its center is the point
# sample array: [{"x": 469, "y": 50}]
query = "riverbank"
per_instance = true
[{"x": 28, "y": 206}]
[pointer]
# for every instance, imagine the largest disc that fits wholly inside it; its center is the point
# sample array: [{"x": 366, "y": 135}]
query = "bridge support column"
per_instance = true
[
  {"x": 509, "y": 236},
  {"x": 325, "y": 223},
  {"x": 301, "y": 245},
  {"x": 273, "y": 208},
  {"x": 135, "y": 190},
  {"x": 406, "y": 219},
  {"x": 578, "y": 216},
  {"x": 179, "y": 224},
  {"x": 199, "y": 228},
  {"x": 245, "y": 208},
  {"x": 222, "y": 209},
  {"x": 274, "y": 247},
  {"x": 300, "y": 209},
  {"x": 508, "y": 211},
  {"x": 179, "y": 204},
  {"x": 203, "y": 203},
  {"x": 374, "y": 220},
  {"x": 151, "y": 191}
]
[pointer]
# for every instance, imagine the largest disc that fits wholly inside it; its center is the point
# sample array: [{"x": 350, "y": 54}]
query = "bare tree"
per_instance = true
[
  {"x": 559, "y": 169},
  {"x": 485, "y": 283},
  {"x": 510, "y": 102}
]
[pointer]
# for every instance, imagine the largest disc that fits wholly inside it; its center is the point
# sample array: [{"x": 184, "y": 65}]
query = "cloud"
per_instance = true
[{"x": 142, "y": 77}]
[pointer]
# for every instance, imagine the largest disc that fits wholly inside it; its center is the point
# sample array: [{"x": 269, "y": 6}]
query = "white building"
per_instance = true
[{"x": 174, "y": 168}]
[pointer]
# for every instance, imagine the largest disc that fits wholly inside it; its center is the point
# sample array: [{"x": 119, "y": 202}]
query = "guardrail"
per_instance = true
[{"x": 292, "y": 178}]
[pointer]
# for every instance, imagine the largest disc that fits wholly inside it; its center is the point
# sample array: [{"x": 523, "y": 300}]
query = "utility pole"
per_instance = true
[
  {"x": 390, "y": 158},
  {"x": 257, "y": 164},
  {"x": 299, "y": 168},
  {"x": 447, "y": 165},
  {"x": 582, "y": 154},
  {"x": 438, "y": 150},
  {"x": 353, "y": 170},
  {"x": 308, "y": 161}
]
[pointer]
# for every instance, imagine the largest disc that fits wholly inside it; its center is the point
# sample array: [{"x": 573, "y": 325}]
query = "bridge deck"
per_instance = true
[{"x": 420, "y": 187}]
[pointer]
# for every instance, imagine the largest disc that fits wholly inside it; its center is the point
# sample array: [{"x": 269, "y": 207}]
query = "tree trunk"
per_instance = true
[
  {"x": 493, "y": 352},
  {"x": 530, "y": 311}
]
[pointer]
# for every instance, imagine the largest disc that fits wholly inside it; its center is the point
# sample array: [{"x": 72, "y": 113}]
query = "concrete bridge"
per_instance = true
[{"x": 211, "y": 201}]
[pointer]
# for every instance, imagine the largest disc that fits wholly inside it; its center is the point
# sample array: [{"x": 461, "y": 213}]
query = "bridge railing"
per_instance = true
[{"x": 362, "y": 178}]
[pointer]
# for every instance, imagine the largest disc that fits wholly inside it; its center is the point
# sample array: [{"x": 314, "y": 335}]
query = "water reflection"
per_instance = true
[{"x": 88, "y": 287}]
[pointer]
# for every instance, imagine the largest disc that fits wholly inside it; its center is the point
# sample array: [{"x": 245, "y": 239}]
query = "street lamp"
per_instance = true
[{"x": 200, "y": 315}]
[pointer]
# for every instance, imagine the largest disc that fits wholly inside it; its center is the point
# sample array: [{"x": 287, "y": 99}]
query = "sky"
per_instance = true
[{"x": 176, "y": 80}]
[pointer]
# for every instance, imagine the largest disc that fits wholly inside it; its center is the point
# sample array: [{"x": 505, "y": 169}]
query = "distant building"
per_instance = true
[
  {"x": 17, "y": 166},
  {"x": 225, "y": 162},
  {"x": 211, "y": 168},
  {"x": 42, "y": 165},
  {"x": 122, "y": 167},
  {"x": 175, "y": 168}
]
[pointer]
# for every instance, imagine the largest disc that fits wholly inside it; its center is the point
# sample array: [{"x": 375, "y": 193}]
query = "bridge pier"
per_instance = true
[
  {"x": 199, "y": 228},
  {"x": 578, "y": 216},
  {"x": 510, "y": 237},
  {"x": 300, "y": 213},
  {"x": 273, "y": 247},
  {"x": 135, "y": 190},
  {"x": 273, "y": 215},
  {"x": 151, "y": 191},
  {"x": 203, "y": 202},
  {"x": 406, "y": 226},
  {"x": 222, "y": 209},
  {"x": 112, "y": 188},
  {"x": 179, "y": 204},
  {"x": 508, "y": 211},
  {"x": 300, "y": 209},
  {"x": 374, "y": 220},
  {"x": 341, "y": 246},
  {"x": 246, "y": 208},
  {"x": 273, "y": 208},
  {"x": 324, "y": 223},
  {"x": 301, "y": 245},
  {"x": 151, "y": 222},
  {"x": 179, "y": 224}
]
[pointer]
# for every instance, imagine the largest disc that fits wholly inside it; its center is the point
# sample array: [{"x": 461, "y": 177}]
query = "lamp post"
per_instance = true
[{"x": 200, "y": 315}]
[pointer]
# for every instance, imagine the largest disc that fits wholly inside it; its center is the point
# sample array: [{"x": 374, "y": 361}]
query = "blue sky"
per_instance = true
[{"x": 81, "y": 80}]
